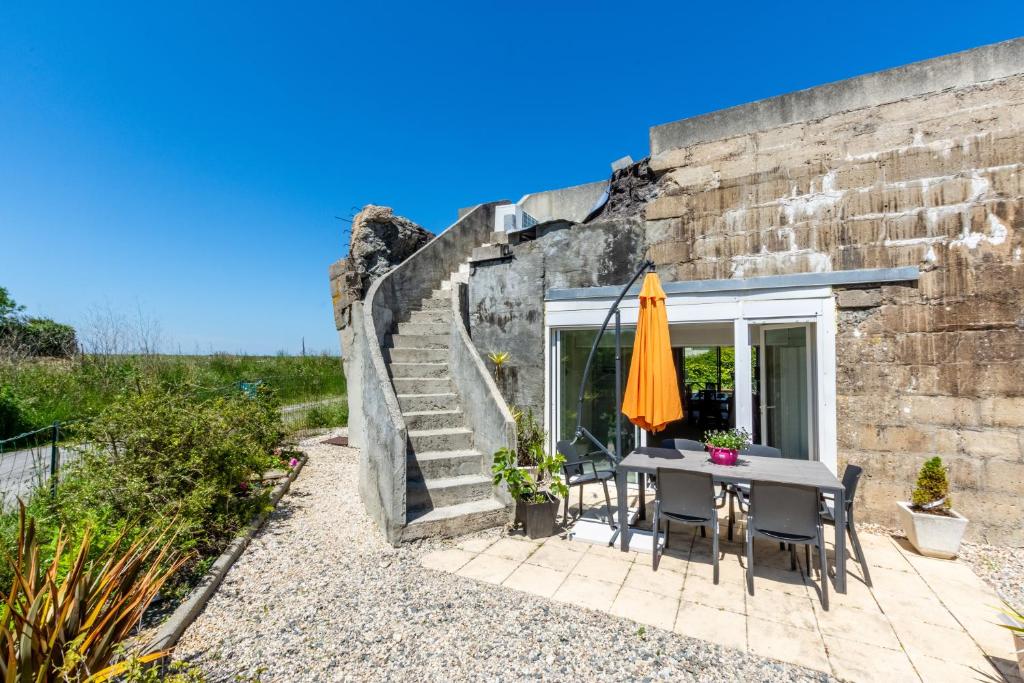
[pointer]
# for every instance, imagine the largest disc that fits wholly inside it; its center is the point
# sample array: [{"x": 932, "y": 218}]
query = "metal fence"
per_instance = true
[{"x": 31, "y": 462}]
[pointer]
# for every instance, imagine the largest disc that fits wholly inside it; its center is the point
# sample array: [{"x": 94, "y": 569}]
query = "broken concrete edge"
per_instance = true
[
  {"x": 986, "y": 63},
  {"x": 188, "y": 611}
]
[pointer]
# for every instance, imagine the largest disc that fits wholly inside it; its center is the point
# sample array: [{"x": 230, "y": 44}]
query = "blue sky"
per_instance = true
[{"x": 188, "y": 159}]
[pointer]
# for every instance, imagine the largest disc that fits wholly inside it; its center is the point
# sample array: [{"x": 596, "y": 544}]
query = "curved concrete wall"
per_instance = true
[
  {"x": 382, "y": 467},
  {"x": 570, "y": 203},
  {"x": 494, "y": 427}
]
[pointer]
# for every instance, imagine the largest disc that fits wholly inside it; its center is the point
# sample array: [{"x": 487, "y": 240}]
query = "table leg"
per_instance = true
[
  {"x": 622, "y": 518},
  {"x": 840, "y": 518},
  {"x": 641, "y": 480}
]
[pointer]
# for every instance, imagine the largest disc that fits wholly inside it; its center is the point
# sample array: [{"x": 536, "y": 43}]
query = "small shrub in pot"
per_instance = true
[{"x": 931, "y": 524}]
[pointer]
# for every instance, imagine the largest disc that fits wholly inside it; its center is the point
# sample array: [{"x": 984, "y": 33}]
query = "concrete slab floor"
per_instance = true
[{"x": 922, "y": 619}]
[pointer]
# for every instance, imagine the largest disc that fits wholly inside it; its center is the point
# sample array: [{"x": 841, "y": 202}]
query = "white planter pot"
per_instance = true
[{"x": 933, "y": 535}]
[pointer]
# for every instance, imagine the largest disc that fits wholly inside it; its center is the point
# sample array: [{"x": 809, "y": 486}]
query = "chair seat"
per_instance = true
[
  {"x": 580, "y": 479},
  {"x": 686, "y": 519},
  {"x": 782, "y": 536}
]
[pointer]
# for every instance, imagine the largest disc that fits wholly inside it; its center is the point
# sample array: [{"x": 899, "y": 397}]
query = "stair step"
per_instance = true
[
  {"x": 440, "y": 464},
  {"x": 448, "y": 439},
  {"x": 419, "y": 370},
  {"x": 434, "y": 419},
  {"x": 431, "y": 315},
  {"x": 422, "y": 385},
  {"x": 440, "y": 303},
  {"x": 455, "y": 520},
  {"x": 419, "y": 341},
  {"x": 416, "y": 355},
  {"x": 425, "y": 494},
  {"x": 424, "y": 402},
  {"x": 424, "y": 329}
]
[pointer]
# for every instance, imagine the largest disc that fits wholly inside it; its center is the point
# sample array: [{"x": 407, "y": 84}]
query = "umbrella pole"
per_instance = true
[
  {"x": 613, "y": 310},
  {"x": 618, "y": 384}
]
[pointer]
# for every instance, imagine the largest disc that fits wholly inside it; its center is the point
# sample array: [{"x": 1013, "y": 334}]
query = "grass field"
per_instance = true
[{"x": 36, "y": 393}]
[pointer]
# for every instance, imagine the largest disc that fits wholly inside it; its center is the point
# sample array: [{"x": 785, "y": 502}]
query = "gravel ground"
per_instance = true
[
  {"x": 319, "y": 595},
  {"x": 1001, "y": 567}
]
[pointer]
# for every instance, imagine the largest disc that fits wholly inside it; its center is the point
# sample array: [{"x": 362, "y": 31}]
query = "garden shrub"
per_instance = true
[{"x": 932, "y": 485}]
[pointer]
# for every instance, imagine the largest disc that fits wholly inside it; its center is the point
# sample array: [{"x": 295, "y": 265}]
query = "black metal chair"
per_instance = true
[
  {"x": 789, "y": 514},
  {"x": 851, "y": 478},
  {"x": 685, "y": 498},
  {"x": 576, "y": 473},
  {"x": 683, "y": 444},
  {"x": 740, "y": 493}
]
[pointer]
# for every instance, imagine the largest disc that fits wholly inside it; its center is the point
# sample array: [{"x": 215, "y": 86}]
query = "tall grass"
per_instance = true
[{"x": 40, "y": 392}]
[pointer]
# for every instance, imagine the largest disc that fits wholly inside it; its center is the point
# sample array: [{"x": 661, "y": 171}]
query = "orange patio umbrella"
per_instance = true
[{"x": 652, "y": 391}]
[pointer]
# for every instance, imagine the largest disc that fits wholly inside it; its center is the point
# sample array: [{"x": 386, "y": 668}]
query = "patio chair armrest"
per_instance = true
[
  {"x": 744, "y": 506},
  {"x": 582, "y": 463},
  {"x": 721, "y": 498}
]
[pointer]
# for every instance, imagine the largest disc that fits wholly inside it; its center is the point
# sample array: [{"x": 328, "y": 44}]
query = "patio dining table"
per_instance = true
[{"x": 646, "y": 461}]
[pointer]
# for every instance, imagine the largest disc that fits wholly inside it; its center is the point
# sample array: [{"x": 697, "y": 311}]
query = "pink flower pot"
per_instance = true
[{"x": 723, "y": 456}]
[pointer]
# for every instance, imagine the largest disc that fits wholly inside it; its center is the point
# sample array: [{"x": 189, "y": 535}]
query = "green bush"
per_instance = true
[
  {"x": 932, "y": 486},
  {"x": 12, "y": 418}
]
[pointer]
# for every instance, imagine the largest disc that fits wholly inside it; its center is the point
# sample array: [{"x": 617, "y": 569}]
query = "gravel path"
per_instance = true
[{"x": 319, "y": 595}]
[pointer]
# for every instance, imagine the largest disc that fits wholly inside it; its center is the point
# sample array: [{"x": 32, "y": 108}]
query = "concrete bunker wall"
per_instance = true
[{"x": 933, "y": 180}]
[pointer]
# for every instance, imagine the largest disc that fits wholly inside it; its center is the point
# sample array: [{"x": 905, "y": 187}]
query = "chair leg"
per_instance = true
[
  {"x": 714, "y": 548},
  {"x": 792, "y": 556},
  {"x": 656, "y": 523},
  {"x": 852, "y": 529},
  {"x": 607, "y": 501},
  {"x": 565, "y": 512},
  {"x": 703, "y": 531},
  {"x": 823, "y": 570},
  {"x": 732, "y": 512},
  {"x": 750, "y": 559},
  {"x": 668, "y": 532},
  {"x": 581, "y": 504},
  {"x": 782, "y": 546},
  {"x": 807, "y": 558}
]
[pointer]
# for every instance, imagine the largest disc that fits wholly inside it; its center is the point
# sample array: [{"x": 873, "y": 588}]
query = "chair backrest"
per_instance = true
[
  {"x": 784, "y": 508},
  {"x": 683, "y": 444},
  {"x": 851, "y": 477},
  {"x": 763, "y": 451},
  {"x": 686, "y": 493}
]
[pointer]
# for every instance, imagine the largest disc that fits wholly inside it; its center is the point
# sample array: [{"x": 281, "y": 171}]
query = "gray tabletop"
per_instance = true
[{"x": 747, "y": 468}]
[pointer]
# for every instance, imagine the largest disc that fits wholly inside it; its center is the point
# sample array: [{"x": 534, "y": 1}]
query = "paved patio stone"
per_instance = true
[
  {"x": 646, "y": 608},
  {"x": 536, "y": 580},
  {"x": 856, "y": 661},
  {"x": 792, "y": 610},
  {"x": 597, "y": 566},
  {"x": 586, "y": 592},
  {"x": 450, "y": 560},
  {"x": 786, "y": 643},
  {"x": 934, "y": 615},
  {"x": 477, "y": 544},
  {"x": 511, "y": 549},
  {"x": 860, "y": 626},
  {"x": 668, "y": 584},
  {"x": 488, "y": 568},
  {"x": 556, "y": 556},
  {"x": 726, "y": 628}
]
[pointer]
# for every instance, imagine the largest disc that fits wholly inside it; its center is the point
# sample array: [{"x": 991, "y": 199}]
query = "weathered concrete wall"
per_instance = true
[
  {"x": 506, "y": 308},
  {"x": 934, "y": 181},
  {"x": 486, "y": 410},
  {"x": 570, "y": 203},
  {"x": 958, "y": 70}
]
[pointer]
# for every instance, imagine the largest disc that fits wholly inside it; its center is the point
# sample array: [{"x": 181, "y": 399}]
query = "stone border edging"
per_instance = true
[{"x": 187, "y": 612}]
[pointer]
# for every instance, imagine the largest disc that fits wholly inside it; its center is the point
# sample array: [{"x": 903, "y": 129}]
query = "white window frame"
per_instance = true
[{"x": 813, "y": 305}]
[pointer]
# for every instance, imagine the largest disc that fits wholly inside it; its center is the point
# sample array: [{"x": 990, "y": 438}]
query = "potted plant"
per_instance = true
[
  {"x": 725, "y": 446},
  {"x": 536, "y": 497},
  {"x": 933, "y": 527},
  {"x": 1013, "y": 621}
]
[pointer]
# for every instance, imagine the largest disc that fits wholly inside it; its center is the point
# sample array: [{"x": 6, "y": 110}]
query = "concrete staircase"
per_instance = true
[{"x": 448, "y": 487}]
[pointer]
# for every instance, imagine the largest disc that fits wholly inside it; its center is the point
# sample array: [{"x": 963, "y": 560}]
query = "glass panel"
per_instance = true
[
  {"x": 785, "y": 391},
  {"x": 599, "y": 411}
]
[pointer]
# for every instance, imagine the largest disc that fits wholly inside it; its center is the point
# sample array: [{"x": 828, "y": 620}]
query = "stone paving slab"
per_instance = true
[{"x": 923, "y": 619}]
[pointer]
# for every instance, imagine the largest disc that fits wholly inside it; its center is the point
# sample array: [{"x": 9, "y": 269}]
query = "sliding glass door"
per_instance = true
[{"x": 786, "y": 401}]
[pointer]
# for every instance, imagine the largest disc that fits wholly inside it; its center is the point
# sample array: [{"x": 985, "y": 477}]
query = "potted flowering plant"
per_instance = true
[
  {"x": 725, "y": 445},
  {"x": 536, "y": 497},
  {"x": 933, "y": 527}
]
